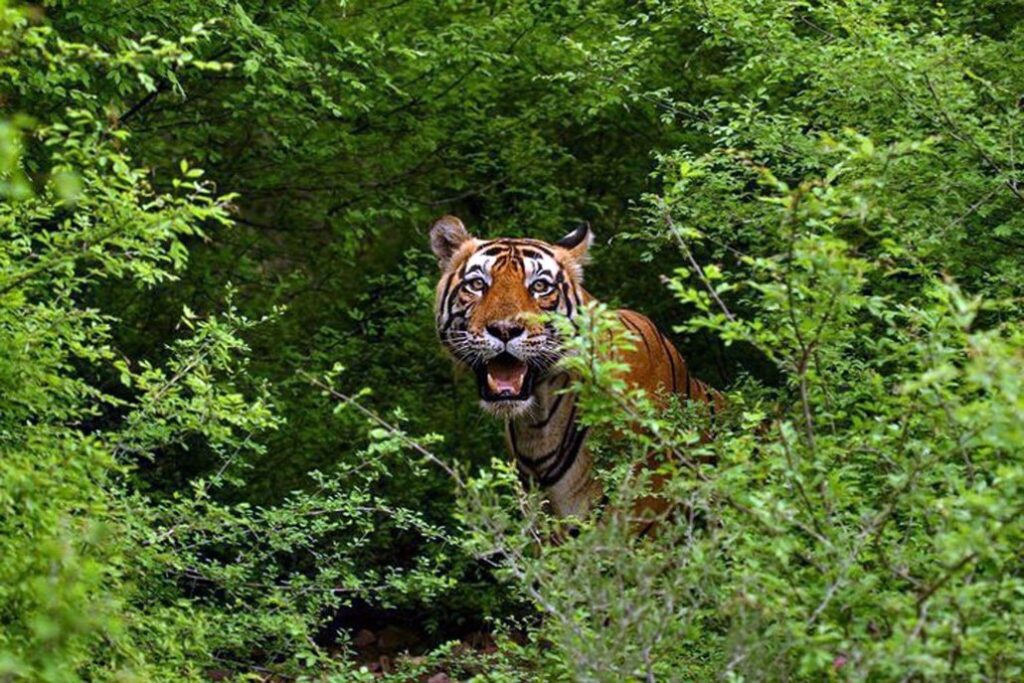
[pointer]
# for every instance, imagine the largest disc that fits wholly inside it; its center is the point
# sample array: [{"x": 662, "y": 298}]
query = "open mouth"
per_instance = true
[{"x": 504, "y": 378}]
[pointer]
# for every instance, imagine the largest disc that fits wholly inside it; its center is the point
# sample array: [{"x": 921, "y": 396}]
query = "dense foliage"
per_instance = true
[{"x": 229, "y": 440}]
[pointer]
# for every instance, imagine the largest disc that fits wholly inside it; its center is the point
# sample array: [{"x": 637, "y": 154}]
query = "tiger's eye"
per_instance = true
[
  {"x": 475, "y": 285},
  {"x": 541, "y": 287}
]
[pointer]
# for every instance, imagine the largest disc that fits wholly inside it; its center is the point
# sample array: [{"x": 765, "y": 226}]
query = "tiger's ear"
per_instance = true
[
  {"x": 577, "y": 243},
  {"x": 446, "y": 236}
]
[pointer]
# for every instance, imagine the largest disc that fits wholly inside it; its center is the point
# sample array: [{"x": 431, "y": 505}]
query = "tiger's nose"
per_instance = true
[{"x": 505, "y": 330}]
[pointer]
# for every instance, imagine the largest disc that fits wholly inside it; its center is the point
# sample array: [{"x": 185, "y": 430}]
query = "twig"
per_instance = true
[
  {"x": 392, "y": 429},
  {"x": 696, "y": 266}
]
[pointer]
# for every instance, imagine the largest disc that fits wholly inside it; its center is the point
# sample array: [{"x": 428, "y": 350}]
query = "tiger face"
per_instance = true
[{"x": 489, "y": 301}]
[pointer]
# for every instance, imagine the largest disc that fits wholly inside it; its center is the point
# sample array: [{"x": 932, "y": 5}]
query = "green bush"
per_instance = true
[{"x": 124, "y": 555}]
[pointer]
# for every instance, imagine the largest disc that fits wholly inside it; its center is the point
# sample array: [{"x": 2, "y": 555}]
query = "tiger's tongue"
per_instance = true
[{"x": 506, "y": 376}]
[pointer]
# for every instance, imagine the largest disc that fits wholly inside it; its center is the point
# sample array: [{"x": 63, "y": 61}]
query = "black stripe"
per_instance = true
[
  {"x": 512, "y": 439},
  {"x": 534, "y": 463},
  {"x": 635, "y": 328},
  {"x": 567, "y": 436},
  {"x": 525, "y": 480},
  {"x": 448, "y": 306},
  {"x": 557, "y": 450},
  {"x": 553, "y": 477},
  {"x": 554, "y": 408},
  {"x": 568, "y": 301},
  {"x": 452, "y": 319},
  {"x": 539, "y": 246},
  {"x": 444, "y": 294},
  {"x": 671, "y": 360},
  {"x": 451, "y": 297}
]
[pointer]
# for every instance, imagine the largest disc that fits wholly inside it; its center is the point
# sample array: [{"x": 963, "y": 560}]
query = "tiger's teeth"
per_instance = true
[
  {"x": 501, "y": 385},
  {"x": 506, "y": 378}
]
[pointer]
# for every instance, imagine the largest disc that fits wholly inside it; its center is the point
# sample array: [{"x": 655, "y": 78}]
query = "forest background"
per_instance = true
[{"x": 230, "y": 443}]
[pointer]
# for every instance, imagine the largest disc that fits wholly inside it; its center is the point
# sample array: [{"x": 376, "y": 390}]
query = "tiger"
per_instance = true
[{"x": 489, "y": 302}]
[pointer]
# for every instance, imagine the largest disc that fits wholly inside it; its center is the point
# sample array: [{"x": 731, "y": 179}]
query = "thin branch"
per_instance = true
[
  {"x": 696, "y": 266},
  {"x": 391, "y": 429}
]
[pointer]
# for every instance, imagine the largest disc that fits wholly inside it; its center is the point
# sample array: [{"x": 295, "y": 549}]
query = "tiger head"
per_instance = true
[{"x": 489, "y": 304}]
